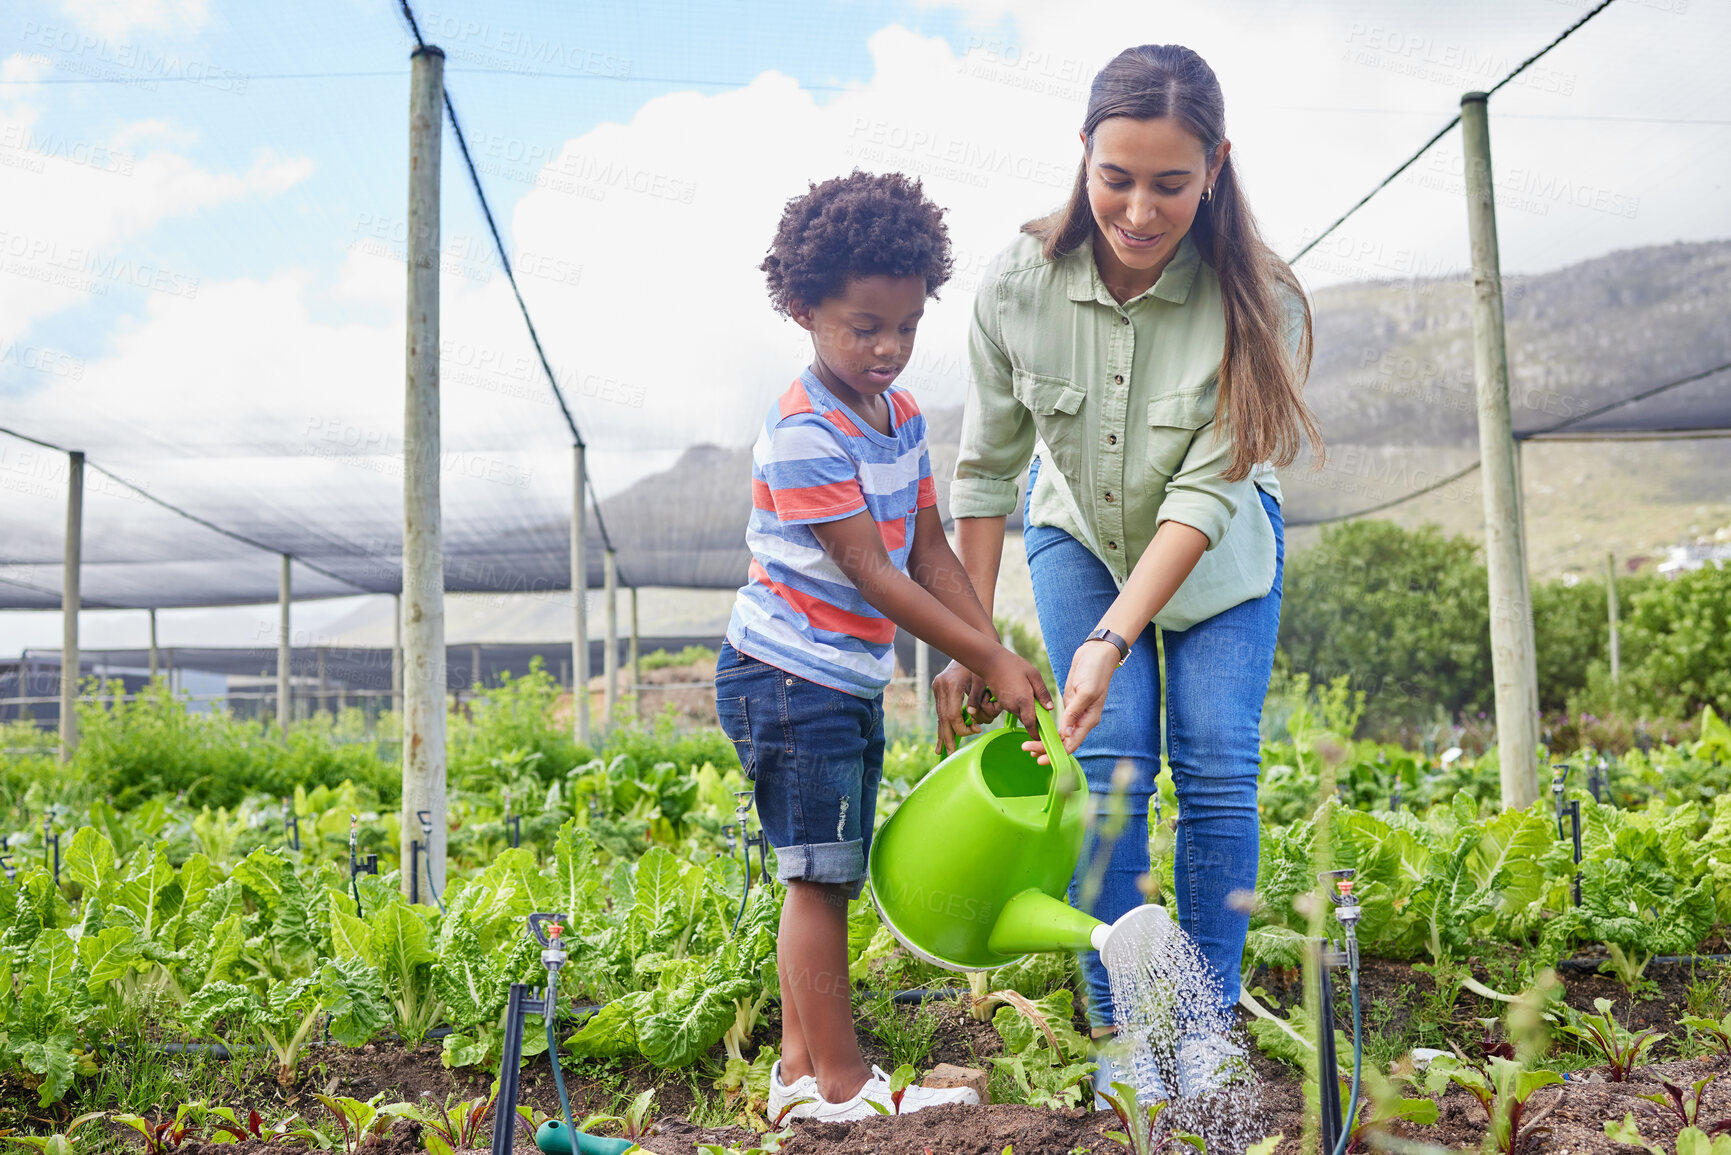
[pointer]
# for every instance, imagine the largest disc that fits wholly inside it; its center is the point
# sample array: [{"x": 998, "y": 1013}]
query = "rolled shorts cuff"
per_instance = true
[{"x": 833, "y": 863}]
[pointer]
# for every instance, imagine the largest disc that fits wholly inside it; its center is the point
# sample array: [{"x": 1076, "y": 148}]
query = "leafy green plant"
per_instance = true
[
  {"x": 637, "y": 1121},
  {"x": 1690, "y": 1140},
  {"x": 906, "y": 1036},
  {"x": 1043, "y": 1054},
  {"x": 1719, "y": 1030},
  {"x": 1381, "y": 1106},
  {"x": 360, "y": 1120},
  {"x": 160, "y": 1136},
  {"x": 900, "y": 1080},
  {"x": 452, "y": 1126},
  {"x": 226, "y": 1126},
  {"x": 1502, "y": 1086},
  {"x": 1623, "y": 1049},
  {"x": 59, "y": 1142},
  {"x": 1141, "y": 1122},
  {"x": 1685, "y": 1102}
]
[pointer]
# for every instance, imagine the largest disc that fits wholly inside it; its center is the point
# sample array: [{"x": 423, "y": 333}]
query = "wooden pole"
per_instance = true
[
  {"x": 69, "y": 602},
  {"x": 579, "y": 602},
  {"x": 424, "y": 676},
  {"x": 153, "y": 645},
  {"x": 324, "y": 698},
  {"x": 474, "y": 667},
  {"x": 397, "y": 655},
  {"x": 922, "y": 680},
  {"x": 636, "y": 673},
  {"x": 1513, "y": 661},
  {"x": 1611, "y": 606},
  {"x": 610, "y": 656},
  {"x": 284, "y": 650}
]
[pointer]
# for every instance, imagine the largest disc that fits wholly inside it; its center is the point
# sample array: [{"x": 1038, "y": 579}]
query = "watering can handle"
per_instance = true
[{"x": 1063, "y": 763}]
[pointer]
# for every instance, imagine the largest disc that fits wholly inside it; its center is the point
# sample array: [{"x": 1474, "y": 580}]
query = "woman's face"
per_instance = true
[{"x": 1145, "y": 183}]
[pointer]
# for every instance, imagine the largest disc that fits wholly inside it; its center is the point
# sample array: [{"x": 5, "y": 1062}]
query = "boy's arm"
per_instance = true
[
  {"x": 857, "y": 549},
  {"x": 934, "y": 566}
]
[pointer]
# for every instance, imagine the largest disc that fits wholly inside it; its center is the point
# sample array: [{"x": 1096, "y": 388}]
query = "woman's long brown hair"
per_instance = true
[{"x": 1261, "y": 386}]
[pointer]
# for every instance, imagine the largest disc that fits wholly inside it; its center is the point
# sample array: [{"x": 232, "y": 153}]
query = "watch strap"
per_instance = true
[{"x": 1102, "y": 634}]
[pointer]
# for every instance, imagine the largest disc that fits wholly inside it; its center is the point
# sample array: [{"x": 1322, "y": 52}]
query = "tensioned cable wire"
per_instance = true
[
  {"x": 397, "y": 74},
  {"x": 192, "y": 517},
  {"x": 511, "y": 277},
  {"x": 1681, "y": 435},
  {"x": 1441, "y": 132}
]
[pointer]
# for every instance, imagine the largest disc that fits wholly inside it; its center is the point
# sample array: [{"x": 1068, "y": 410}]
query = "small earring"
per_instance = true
[{"x": 1207, "y": 195}]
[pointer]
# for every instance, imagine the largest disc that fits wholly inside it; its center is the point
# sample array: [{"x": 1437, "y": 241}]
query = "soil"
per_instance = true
[{"x": 1573, "y": 1115}]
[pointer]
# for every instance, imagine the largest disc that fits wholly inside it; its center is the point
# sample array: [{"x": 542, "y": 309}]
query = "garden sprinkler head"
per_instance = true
[
  {"x": 1346, "y": 907},
  {"x": 554, "y": 956}
]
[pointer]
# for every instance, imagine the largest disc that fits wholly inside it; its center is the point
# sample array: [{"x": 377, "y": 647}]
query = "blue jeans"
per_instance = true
[
  {"x": 814, "y": 756},
  {"x": 1217, "y": 675}
]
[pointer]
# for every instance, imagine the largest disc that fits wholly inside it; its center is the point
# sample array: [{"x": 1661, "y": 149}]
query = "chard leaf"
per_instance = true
[
  {"x": 92, "y": 864},
  {"x": 352, "y": 992}
]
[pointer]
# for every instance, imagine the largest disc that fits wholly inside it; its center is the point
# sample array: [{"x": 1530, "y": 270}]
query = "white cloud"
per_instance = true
[{"x": 117, "y": 19}]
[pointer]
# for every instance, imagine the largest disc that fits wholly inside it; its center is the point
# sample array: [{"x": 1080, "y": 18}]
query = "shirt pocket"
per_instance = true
[
  {"x": 1056, "y": 404},
  {"x": 1172, "y": 424}
]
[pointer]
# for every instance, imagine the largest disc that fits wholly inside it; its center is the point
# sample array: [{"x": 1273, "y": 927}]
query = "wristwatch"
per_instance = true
[{"x": 1102, "y": 634}]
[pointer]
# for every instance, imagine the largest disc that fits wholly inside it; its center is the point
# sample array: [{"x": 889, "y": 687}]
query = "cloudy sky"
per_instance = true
[{"x": 203, "y": 203}]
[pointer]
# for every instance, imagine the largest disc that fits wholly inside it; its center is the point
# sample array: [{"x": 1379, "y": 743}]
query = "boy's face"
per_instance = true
[{"x": 865, "y": 336}]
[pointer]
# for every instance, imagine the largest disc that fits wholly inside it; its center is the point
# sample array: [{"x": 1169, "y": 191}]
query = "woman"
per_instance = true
[{"x": 1147, "y": 350}]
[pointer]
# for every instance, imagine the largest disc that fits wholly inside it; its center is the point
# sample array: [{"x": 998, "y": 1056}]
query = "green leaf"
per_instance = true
[
  {"x": 351, "y": 937},
  {"x": 611, "y": 1032},
  {"x": 92, "y": 863},
  {"x": 108, "y": 956},
  {"x": 228, "y": 1001},
  {"x": 691, "y": 1021},
  {"x": 353, "y": 994}
]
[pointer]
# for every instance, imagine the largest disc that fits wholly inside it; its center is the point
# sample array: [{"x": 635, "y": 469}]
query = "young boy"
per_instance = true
[{"x": 846, "y": 545}]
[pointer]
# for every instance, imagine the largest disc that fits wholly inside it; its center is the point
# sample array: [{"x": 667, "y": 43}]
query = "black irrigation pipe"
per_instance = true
[{"x": 1592, "y": 964}]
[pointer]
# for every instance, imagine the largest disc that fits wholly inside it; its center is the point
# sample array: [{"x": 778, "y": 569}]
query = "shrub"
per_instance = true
[{"x": 514, "y": 720}]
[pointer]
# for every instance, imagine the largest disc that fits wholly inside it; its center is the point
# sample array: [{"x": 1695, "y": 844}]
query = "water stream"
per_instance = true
[{"x": 1174, "y": 1040}]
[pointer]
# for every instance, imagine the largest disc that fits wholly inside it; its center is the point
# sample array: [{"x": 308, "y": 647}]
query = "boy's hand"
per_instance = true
[
  {"x": 953, "y": 690},
  {"x": 1084, "y": 697},
  {"x": 1018, "y": 686}
]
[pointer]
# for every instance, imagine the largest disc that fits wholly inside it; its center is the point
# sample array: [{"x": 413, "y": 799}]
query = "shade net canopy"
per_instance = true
[{"x": 211, "y": 306}]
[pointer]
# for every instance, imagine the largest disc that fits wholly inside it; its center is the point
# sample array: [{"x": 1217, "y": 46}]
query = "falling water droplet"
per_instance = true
[{"x": 1175, "y": 1041}]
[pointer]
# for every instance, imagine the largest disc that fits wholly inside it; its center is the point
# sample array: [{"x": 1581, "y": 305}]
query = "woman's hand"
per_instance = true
[
  {"x": 1084, "y": 696},
  {"x": 955, "y": 687}
]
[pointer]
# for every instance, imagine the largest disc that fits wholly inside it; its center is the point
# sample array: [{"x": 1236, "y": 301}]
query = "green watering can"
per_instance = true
[{"x": 971, "y": 870}]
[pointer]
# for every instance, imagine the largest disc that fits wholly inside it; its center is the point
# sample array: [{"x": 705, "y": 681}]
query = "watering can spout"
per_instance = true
[{"x": 1033, "y": 921}]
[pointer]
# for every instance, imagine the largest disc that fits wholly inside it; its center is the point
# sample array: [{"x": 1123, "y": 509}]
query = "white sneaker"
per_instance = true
[
  {"x": 877, "y": 1090},
  {"x": 793, "y": 1102}
]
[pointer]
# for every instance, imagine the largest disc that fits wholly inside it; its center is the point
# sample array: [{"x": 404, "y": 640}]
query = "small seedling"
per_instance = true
[
  {"x": 454, "y": 1126},
  {"x": 1719, "y": 1030},
  {"x": 160, "y": 1137},
  {"x": 226, "y": 1126},
  {"x": 59, "y": 1143},
  {"x": 1685, "y": 1102},
  {"x": 900, "y": 1080},
  {"x": 1690, "y": 1140},
  {"x": 1141, "y": 1134},
  {"x": 359, "y": 1120},
  {"x": 637, "y": 1121},
  {"x": 1502, "y": 1087},
  {"x": 1623, "y": 1049}
]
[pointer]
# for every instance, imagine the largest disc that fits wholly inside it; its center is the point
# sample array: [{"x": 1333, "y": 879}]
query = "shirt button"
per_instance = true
[
  {"x": 1124, "y": 319},
  {"x": 1118, "y": 380},
  {"x": 1111, "y": 545},
  {"x": 1111, "y": 439},
  {"x": 1108, "y": 495}
]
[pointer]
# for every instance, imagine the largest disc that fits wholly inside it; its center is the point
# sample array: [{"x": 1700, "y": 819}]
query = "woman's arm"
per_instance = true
[{"x": 1159, "y": 572}]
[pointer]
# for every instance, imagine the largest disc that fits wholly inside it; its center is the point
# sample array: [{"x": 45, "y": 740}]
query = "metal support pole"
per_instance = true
[
  {"x": 153, "y": 645},
  {"x": 610, "y": 656},
  {"x": 397, "y": 654},
  {"x": 636, "y": 673},
  {"x": 922, "y": 679},
  {"x": 284, "y": 650},
  {"x": 579, "y": 602},
  {"x": 69, "y": 600},
  {"x": 324, "y": 698},
  {"x": 424, "y": 676},
  {"x": 1611, "y": 606},
  {"x": 1513, "y": 660},
  {"x": 474, "y": 666}
]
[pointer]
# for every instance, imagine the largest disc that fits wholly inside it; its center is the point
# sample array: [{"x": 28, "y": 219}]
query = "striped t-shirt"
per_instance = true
[{"x": 815, "y": 462}]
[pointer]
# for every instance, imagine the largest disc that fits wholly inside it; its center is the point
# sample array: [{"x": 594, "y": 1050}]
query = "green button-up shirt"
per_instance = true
[{"x": 1118, "y": 400}]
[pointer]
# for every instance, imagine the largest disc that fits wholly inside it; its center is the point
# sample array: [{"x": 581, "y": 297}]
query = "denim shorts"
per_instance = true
[{"x": 814, "y": 756}]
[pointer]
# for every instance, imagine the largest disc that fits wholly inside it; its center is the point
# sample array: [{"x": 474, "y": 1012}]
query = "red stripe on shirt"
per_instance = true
[
  {"x": 761, "y": 497},
  {"x": 795, "y": 400},
  {"x": 904, "y": 405},
  {"x": 798, "y": 502},
  {"x": 894, "y": 533},
  {"x": 825, "y": 616},
  {"x": 928, "y": 493},
  {"x": 843, "y": 422}
]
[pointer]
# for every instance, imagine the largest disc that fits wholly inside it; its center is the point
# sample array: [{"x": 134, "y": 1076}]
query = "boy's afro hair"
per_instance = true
[{"x": 858, "y": 225}]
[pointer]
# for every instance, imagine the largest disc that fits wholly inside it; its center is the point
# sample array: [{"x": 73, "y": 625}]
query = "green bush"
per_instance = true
[
  {"x": 514, "y": 720},
  {"x": 132, "y": 751},
  {"x": 1402, "y": 613},
  {"x": 689, "y": 656},
  {"x": 1676, "y": 644}
]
